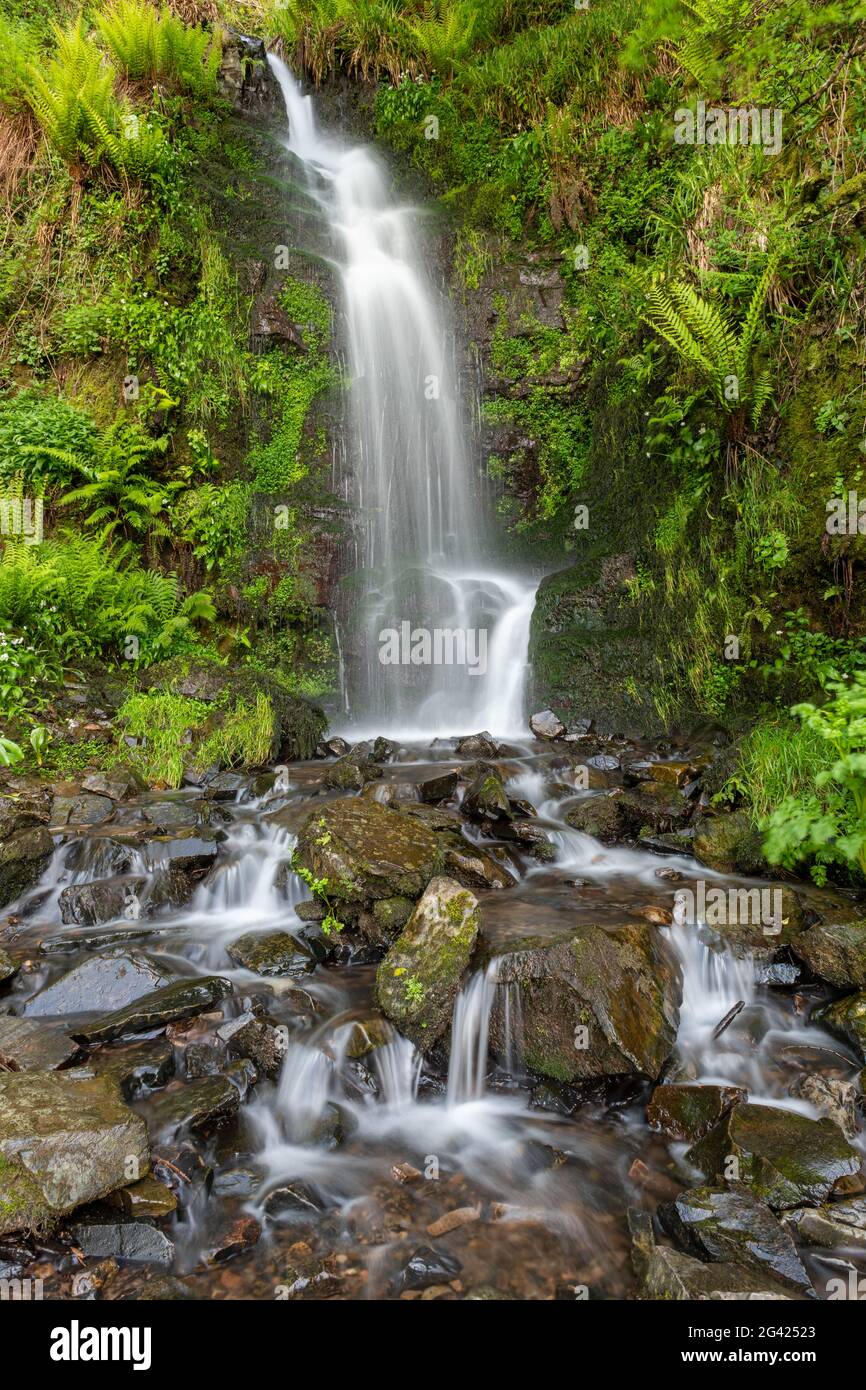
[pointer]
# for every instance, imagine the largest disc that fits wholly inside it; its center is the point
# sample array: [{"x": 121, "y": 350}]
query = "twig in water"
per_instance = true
[{"x": 728, "y": 1018}]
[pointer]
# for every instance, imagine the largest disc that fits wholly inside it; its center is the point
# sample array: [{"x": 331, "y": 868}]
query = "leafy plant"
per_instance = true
[
  {"x": 828, "y": 820},
  {"x": 10, "y": 752},
  {"x": 707, "y": 340},
  {"x": 39, "y": 740},
  {"x": 152, "y": 44},
  {"x": 125, "y": 497}
]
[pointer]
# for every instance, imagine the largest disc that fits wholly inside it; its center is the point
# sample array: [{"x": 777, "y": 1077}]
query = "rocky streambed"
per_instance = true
[{"x": 428, "y": 1022}]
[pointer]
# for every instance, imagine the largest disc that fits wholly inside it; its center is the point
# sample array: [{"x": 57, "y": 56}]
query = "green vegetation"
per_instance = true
[
  {"x": 173, "y": 733},
  {"x": 133, "y": 412}
]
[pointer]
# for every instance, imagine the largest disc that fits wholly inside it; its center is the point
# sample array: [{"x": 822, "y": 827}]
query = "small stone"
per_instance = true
[
  {"x": 546, "y": 725},
  {"x": 452, "y": 1220},
  {"x": 134, "y": 1242},
  {"x": 29, "y": 1046},
  {"x": 424, "y": 1268}
]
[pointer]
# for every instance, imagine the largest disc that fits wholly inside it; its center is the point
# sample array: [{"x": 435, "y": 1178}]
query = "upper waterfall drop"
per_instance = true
[{"x": 424, "y": 548}]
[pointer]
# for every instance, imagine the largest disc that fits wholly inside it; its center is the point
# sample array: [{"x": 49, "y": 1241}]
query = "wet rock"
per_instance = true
[
  {"x": 23, "y": 808},
  {"x": 172, "y": 815},
  {"x": 555, "y": 1099},
  {"x": 417, "y": 982},
  {"x": 183, "y": 1170},
  {"x": 481, "y": 745},
  {"x": 782, "y": 1157},
  {"x": 148, "y": 1198},
  {"x": 425, "y": 1267},
  {"x": 754, "y": 921},
  {"x": 366, "y": 1034},
  {"x": 777, "y": 973},
  {"x": 185, "y": 851},
  {"x": 292, "y": 1198},
  {"x": 436, "y": 818},
  {"x": 65, "y": 1139},
  {"x": 655, "y": 804},
  {"x": 389, "y": 792},
  {"x": 181, "y": 1000},
  {"x": 847, "y": 1018},
  {"x": 242, "y": 1074},
  {"x": 674, "y": 1276},
  {"x": 367, "y": 851},
  {"x": 690, "y": 1111},
  {"x": 137, "y": 1067},
  {"x": 311, "y": 910},
  {"x": 245, "y": 79},
  {"x": 106, "y": 1236},
  {"x": 164, "y": 1288},
  {"x": 225, "y": 786},
  {"x": 237, "y": 1182},
  {"x": 729, "y": 843},
  {"x": 598, "y": 816},
  {"x": 170, "y": 888},
  {"x": 200, "y": 1105},
  {"x": 262, "y": 1042},
  {"x": 102, "y": 983},
  {"x": 475, "y": 869},
  {"x": 595, "y": 1002},
  {"x": 310, "y": 1280},
  {"x": 8, "y": 967},
  {"x": 486, "y": 799},
  {"x": 531, "y": 838},
  {"x": 233, "y": 1236},
  {"x": 23, "y": 858},
  {"x": 604, "y": 762},
  {"x": 117, "y": 784},
  {"x": 273, "y": 953},
  {"x": 336, "y": 747},
  {"x": 28, "y": 1046},
  {"x": 835, "y": 952},
  {"x": 841, "y": 1225},
  {"x": 87, "y": 809},
  {"x": 351, "y": 773},
  {"x": 439, "y": 788},
  {"x": 91, "y": 904},
  {"x": 546, "y": 725},
  {"x": 384, "y": 750},
  {"x": 485, "y": 1293},
  {"x": 731, "y": 1226},
  {"x": 834, "y": 1099},
  {"x": 390, "y": 914}
]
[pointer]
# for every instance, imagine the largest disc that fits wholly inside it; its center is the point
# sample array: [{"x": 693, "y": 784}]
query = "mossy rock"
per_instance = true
[
  {"x": 600, "y": 817},
  {"x": 417, "y": 982},
  {"x": 847, "y": 1018},
  {"x": 835, "y": 952},
  {"x": 729, "y": 843},
  {"x": 298, "y": 726},
  {"x": 594, "y": 1002},
  {"x": 780, "y": 1156},
  {"x": 23, "y": 857},
  {"x": 367, "y": 851}
]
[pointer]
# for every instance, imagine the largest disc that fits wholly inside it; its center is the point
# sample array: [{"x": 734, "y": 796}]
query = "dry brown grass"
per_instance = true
[{"x": 19, "y": 142}]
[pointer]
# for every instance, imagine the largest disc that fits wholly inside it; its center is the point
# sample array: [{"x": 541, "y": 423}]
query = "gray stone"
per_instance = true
[
  {"x": 100, "y": 984},
  {"x": 181, "y": 1000}
]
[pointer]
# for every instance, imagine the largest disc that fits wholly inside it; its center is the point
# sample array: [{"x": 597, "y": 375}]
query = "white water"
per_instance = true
[{"x": 423, "y": 528}]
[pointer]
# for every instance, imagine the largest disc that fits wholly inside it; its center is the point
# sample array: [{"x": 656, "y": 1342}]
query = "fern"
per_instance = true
[
  {"x": 66, "y": 92},
  {"x": 146, "y": 43}
]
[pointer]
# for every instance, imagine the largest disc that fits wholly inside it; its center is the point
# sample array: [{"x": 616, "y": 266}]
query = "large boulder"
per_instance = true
[
  {"x": 367, "y": 851},
  {"x": 835, "y": 952},
  {"x": 780, "y": 1156},
  {"x": 600, "y": 817},
  {"x": 418, "y": 981},
  {"x": 23, "y": 858},
  {"x": 23, "y": 806},
  {"x": 594, "y": 1002},
  {"x": 66, "y": 1138},
  {"x": 104, "y": 900},
  {"x": 720, "y": 1225}
]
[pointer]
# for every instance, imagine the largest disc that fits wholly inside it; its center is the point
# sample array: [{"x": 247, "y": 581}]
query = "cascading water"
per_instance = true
[{"x": 438, "y": 637}]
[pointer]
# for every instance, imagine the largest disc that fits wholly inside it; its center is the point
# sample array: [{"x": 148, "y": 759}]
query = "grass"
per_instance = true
[
  {"x": 174, "y": 733},
  {"x": 777, "y": 759}
]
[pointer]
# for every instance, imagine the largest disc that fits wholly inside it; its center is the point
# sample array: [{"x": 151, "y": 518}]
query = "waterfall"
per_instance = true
[{"x": 438, "y": 638}]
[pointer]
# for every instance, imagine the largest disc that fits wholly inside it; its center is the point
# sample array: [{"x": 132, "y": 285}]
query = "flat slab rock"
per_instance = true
[
  {"x": 197, "y": 1105},
  {"x": 783, "y": 1158},
  {"x": 29, "y": 1046},
  {"x": 181, "y": 1000},
  {"x": 273, "y": 953},
  {"x": 100, "y": 984},
  {"x": 66, "y": 1138}
]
